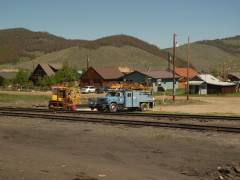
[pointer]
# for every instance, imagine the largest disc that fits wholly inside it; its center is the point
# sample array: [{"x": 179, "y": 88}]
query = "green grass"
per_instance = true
[
  {"x": 179, "y": 92},
  {"x": 27, "y": 98}
]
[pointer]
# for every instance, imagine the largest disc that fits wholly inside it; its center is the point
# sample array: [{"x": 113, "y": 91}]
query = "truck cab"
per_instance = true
[{"x": 118, "y": 100}]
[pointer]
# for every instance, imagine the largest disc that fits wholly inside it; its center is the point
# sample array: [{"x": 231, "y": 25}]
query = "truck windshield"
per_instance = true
[
  {"x": 113, "y": 93},
  {"x": 59, "y": 92}
]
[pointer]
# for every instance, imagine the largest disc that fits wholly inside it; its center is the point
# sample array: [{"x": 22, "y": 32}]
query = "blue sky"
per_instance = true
[{"x": 151, "y": 20}]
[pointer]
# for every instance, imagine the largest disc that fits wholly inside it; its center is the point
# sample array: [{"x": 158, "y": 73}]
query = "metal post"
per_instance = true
[
  {"x": 188, "y": 59},
  {"x": 174, "y": 51},
  {"x": 87, "y": 62},
  {"x": 169, "y": 62}
]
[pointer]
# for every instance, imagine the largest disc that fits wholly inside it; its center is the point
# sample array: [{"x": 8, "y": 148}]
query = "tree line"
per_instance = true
[{"x": 21, "y": 80}]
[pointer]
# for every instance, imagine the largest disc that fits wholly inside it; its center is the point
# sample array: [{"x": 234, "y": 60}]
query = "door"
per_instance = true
[
  {"x": 128, "y": 99},
  {"x": 120, "y": 98}
]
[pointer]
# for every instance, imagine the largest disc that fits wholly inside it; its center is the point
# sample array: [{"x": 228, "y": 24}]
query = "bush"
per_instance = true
[
  {"x": 21, "y": 79},
  {"x": 66, "y": 74}
]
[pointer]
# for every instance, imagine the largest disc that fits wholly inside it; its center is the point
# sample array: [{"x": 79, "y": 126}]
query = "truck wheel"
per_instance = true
[
  {"x": 113, "y": 107},
  {"x": 144, "y": 107},
  {"x": 100, "y": 109}
]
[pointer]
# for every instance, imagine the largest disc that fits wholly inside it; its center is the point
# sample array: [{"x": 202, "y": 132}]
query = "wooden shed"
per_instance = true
[{"x": 208, "y": 84}]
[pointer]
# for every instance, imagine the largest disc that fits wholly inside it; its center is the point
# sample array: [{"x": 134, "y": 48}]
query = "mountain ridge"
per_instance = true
[{"x": 20, "y": 45}]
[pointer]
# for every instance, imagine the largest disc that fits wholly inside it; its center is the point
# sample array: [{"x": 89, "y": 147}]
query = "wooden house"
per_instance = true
[
  {"x": 42, "y": 70},
  {"x": 100, "y": 77},
  {"x": 160, "y": 80}
]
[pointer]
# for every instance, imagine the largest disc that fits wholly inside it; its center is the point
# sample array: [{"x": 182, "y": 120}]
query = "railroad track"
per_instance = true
[
  {"x": 73, "y": 117},
  {"x": 139, "y": 114}
]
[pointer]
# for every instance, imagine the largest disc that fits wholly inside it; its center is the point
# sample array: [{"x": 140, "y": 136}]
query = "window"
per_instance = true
[
  {"x": 118, "y": 94},
  {"x": 129, "y": 95},
  {"x": 111, "y": 93}
]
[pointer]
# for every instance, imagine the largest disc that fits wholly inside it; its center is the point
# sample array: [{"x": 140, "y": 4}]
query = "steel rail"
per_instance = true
[
  {"x": 122, "y": 122},
  {"x": 152, "y": 115}
]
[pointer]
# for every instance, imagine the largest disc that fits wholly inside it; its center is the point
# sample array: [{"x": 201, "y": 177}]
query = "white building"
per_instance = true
[{"x": 208, "y": 84}]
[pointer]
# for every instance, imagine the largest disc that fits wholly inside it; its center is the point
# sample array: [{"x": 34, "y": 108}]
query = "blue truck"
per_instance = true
[{"x": 119, "y": 100}]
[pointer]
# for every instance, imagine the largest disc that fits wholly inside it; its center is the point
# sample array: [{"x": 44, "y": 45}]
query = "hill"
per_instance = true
[
  {"x": 19, "y": 46},
  {"x": 212, "y": 55},
  {"x": 22, "y": 44},
  {"x": 24, "y": 48},
  {"x": 110, "y": 56}
]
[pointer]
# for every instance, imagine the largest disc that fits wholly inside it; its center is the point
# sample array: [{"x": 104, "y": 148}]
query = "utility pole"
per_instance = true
[
  {"x": 188, "y": 59},
  {"x": 169, "y": 62},
  {"x": 173, "y": 71},
  {"x": 32, "y": 65},
  {"x": 87, "y": 62},
  {"x": 225, "y": 71}
]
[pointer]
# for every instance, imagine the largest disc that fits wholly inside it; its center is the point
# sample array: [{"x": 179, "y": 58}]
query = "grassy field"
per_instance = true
[
  {"x": 179, "y": 92},
  {"x": 29, "y": 99},
  {"x": 20, "y": 97},
  {"x": 23, "y": 100},
  {"x": 168, "y": 101},
  {"x": 12, "y": 98}
]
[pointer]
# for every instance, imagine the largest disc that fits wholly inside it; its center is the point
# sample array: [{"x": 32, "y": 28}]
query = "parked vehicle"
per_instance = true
[
  {"x": 118, "y": 100},
  {"x": 88, "y": 89},
  {"x": 101, "y": 90},
  {"x": 64, "y": 98}
]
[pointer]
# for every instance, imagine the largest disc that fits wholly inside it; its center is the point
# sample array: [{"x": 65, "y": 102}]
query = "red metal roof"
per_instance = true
[{"x": 182, "y": 72}]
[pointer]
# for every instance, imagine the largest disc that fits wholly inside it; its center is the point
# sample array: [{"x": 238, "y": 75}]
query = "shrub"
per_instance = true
[{"x": 21, "y": 79}]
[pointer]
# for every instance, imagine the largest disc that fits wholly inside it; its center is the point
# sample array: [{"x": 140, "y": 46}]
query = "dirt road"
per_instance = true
[
  {"x": 47, "y": 150},
  {"x": 206, "y": 105}
]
